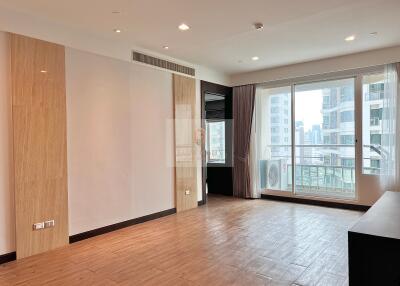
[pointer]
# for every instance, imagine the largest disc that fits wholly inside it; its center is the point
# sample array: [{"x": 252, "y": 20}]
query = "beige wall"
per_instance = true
[
  {"x": 118, "y": 161},
  {"x": 342, "y": 63},
  {"x": 7, "y": 220}
]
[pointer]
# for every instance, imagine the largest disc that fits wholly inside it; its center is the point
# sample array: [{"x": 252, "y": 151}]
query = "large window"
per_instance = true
[
  {"x": 329, "y": 143},
  {"x": 373, "y": 91},
  {"x": 215, "y": 144}
]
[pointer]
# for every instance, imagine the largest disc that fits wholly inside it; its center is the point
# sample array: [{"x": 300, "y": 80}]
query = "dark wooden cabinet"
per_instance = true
[{"x": 374, "y": 245}]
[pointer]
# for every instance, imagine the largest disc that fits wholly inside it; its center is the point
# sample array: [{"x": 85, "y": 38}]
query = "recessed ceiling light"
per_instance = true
[
  {"x": 258, "y": 26},
  {"x": 350, "y": 38},
  {"x": 43, "y": 71},
  {"x": 165, "y": 47},
  {"x": 117, "y": 31},
  {"x": 255, "y": 58},
  {"x": 183, "y": 27}
]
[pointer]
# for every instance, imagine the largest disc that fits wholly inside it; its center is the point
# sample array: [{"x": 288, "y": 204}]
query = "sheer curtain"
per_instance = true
[
  {"x": 390, "y": 162},
  {"x": 255, "y": 192}
]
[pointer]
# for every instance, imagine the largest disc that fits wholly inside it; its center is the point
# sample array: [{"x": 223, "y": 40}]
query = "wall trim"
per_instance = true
[
  {"x": 120, "y": 225},
  {"x": 316, "y": 202},
  {"x": 8, "y": 257}
]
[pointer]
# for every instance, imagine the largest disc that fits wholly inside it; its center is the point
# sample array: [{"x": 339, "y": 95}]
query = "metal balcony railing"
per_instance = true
[{"x": 315, "y": 175}]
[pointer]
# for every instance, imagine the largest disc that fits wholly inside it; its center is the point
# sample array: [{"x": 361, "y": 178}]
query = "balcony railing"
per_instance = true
[
  {"x": 313, "y": 175},
  {"x": 374, "y": 95},
  {"x": 335, "y": 181},
  {"x": 374, "y": 121}
]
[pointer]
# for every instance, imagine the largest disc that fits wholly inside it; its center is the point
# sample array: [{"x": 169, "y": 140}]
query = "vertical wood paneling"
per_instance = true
[
  {"x": 40, "y": 150},
  {"x": 7, "y": 227},
  {"x": 185, "y": 149}
]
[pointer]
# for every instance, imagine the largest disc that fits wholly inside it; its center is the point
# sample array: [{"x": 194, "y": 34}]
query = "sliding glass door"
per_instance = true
[
  {"x": 306, "y": 139},
  {"x": 325, "y": 138}
]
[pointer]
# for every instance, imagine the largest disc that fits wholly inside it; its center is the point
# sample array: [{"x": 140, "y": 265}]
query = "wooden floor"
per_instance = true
[{"x": 228, "y": 242}]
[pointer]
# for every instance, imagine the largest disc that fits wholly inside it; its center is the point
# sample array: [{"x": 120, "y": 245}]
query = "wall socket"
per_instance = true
[
  {"x": 38, "y": 226},
  {"x": 44, "y": 224},
  {"x": 187, "y": 192},
  {"x": 49, "y": 223}
]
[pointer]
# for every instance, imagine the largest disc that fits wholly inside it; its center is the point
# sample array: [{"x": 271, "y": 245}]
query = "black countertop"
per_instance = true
[{"x": 382, "y": 219}]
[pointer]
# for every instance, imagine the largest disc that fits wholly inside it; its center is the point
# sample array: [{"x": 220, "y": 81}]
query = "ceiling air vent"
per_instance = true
[{"x": 142, "y": 58}]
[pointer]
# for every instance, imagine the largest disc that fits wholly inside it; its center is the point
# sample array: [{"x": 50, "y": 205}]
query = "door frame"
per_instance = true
[
  {"x": 211, "y": 88},
  {"x": 362, "y": 181}
]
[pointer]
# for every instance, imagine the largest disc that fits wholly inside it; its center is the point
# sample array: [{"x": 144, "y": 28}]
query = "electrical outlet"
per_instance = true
[
  {"x": 49, "y": 223},
  {"x": 38, "y": 226},
  {"x": 187, "y": 192}
]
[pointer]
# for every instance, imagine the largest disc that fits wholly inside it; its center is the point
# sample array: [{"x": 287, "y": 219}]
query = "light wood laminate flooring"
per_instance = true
[{"x": 226, "y": 242}]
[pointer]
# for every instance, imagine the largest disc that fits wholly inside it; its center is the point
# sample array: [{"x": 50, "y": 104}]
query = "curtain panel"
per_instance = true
[
  {"x": 243, "y": 108},
  {"x": 390, "y": 153}
]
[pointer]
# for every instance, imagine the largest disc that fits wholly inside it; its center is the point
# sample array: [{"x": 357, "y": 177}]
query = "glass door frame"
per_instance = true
[
  {"x": 360, "y": 178},
  {"x": 315, "y": 195}
]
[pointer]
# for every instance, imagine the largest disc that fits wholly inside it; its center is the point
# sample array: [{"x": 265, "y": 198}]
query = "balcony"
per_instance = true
[
  {"x": 374, "y": 95},
  {"x": 329, "y": 181},
  {"x": 374, "y": 121},
  {"x": 323, "y": 170}
]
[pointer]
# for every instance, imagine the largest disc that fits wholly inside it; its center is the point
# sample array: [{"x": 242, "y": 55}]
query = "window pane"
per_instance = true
[
  {"x": 373, "y": 91},
  {"x": 216, "y": 141},
  {"x": 273, "y": 117},
  {"x": 325, "y": 132}
]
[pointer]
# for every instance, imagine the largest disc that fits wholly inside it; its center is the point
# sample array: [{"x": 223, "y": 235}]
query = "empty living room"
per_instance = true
[{"x": 191, "y": 143}]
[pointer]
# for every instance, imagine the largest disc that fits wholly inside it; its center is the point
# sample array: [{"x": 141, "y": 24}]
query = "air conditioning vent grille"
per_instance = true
[{"x": 146, "y": 59}]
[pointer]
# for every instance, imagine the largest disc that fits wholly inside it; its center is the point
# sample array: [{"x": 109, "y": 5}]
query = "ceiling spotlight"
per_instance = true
[
  {"x": 255, "y": 58},
  {"x": 165, "y": 47},
  {"x": 258, "y": 26},
  {"x": 183, "y": 27},
  {"x": 117, "y": 31},
  {"x": 43, "y": 71},
  {"x": 350, "y": 38}
]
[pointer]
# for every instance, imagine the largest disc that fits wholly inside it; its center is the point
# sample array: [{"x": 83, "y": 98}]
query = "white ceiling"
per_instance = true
[{"x": 221, "y": 35}]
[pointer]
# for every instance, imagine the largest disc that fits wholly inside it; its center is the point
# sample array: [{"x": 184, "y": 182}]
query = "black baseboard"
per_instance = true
[
  {"x": 113, "y": 227},
  {"x": 8, "y": 257},
  {"x": 200, "y": 203},
  {"x": 95, "y": 232},
  {"x": 316, "y": 202}
]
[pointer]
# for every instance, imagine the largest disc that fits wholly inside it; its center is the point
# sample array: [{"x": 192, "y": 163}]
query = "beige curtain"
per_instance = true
[{"x": 243, "y": 106}]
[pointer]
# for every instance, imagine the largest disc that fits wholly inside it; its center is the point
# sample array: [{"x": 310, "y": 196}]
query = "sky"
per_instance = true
[{"x": 308, "y": 108}]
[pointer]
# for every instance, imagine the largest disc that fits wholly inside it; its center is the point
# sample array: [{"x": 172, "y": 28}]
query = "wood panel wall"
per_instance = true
[
  {"x": 185, "y": 138},
  {"x": 40, "y": 148}
]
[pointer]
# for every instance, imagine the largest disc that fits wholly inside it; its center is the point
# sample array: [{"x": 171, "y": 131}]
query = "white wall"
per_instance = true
[
  {"x": 7, "y": 221},
  {"x": 119, "y": 164},
  {"x": 335, "y": 64},
  {"x": 120, "y": 142}
]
